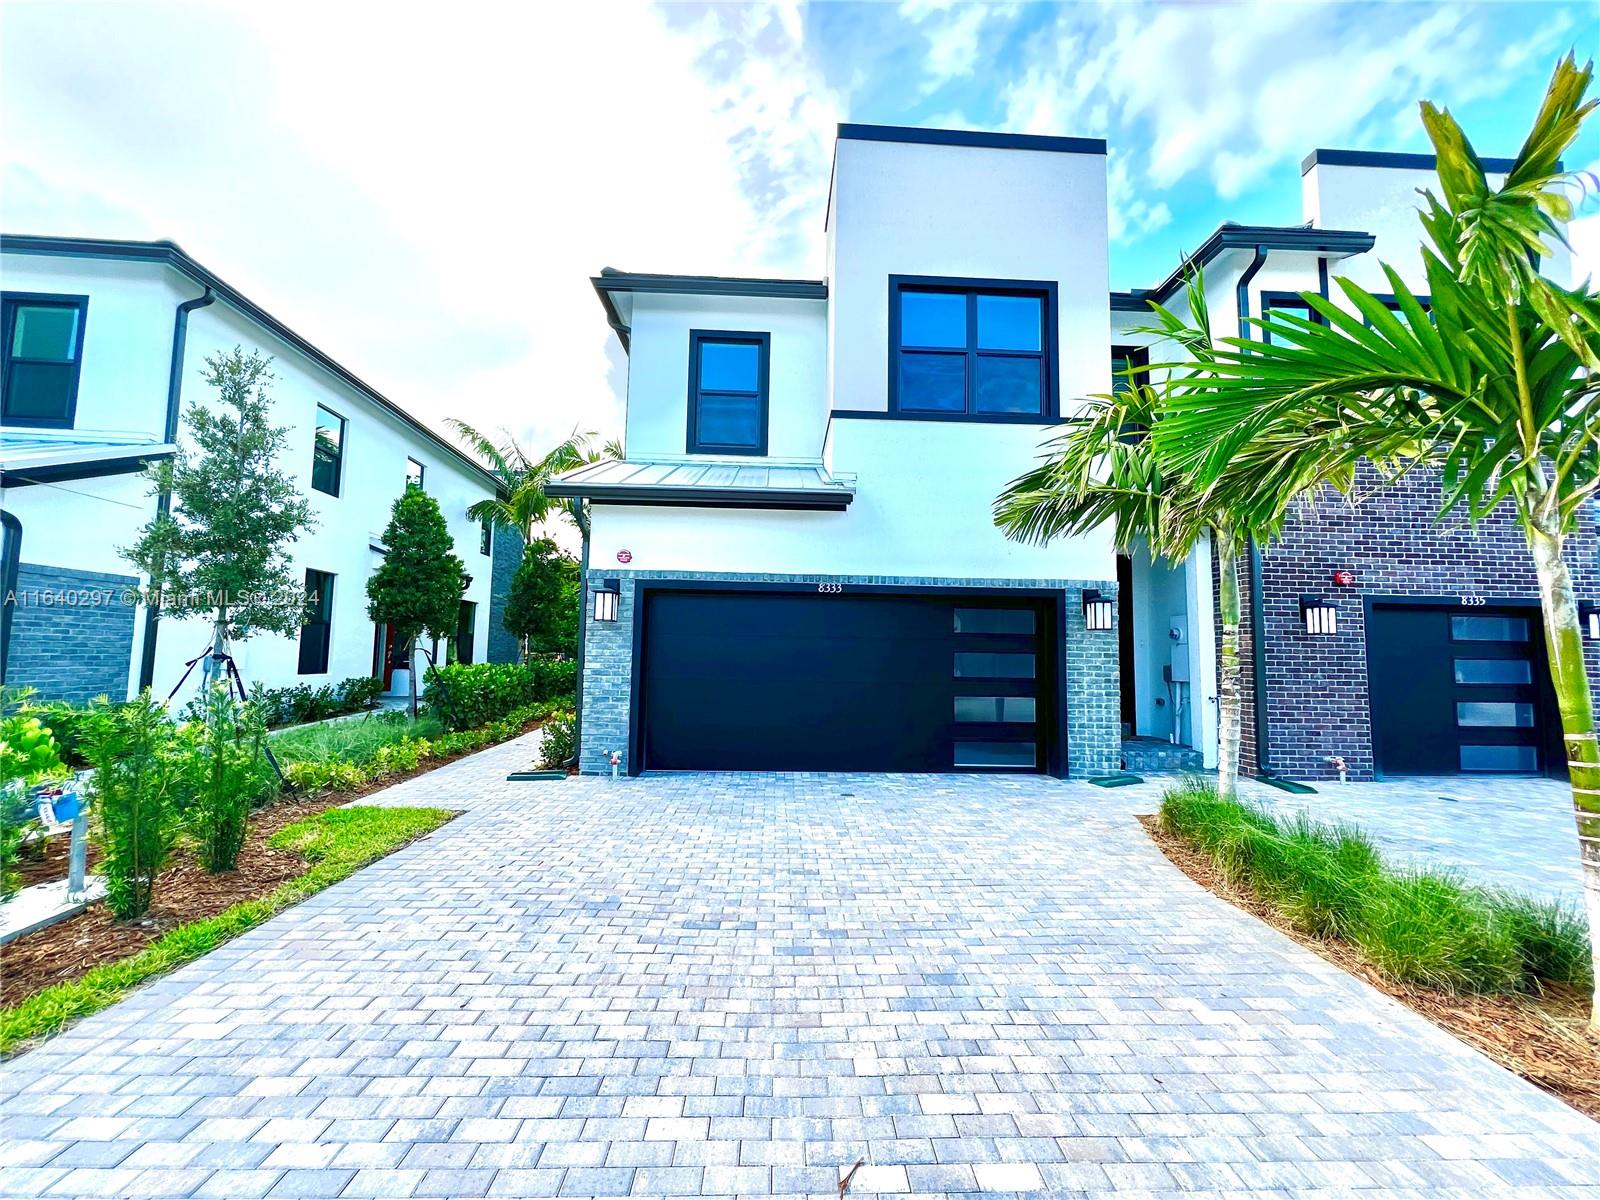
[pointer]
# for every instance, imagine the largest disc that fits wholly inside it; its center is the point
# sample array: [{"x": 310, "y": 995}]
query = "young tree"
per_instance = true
[
  {"x": 542, "y": 607},
  {"x": 417, "y": 588},
  {"x": 225, "y": 544},
  {"x": 1498, "y": 387}
]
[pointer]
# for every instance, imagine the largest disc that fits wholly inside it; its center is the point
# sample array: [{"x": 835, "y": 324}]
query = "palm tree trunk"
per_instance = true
[
  {"x": 1564, "y": 644},
  {"x": 1228, "y": 676}
]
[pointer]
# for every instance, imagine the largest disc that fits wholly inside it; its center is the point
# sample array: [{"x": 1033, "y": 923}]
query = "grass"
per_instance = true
[
  {"x": 1421, "y": 927},
  {"x": 355, "y": 741},
  {"x": 336, "y": 843}
]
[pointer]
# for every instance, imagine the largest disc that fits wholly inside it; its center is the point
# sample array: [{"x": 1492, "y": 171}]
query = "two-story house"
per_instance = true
[
  {"x": 795, "y": 566},
  {"x": 104, "y": 345}
]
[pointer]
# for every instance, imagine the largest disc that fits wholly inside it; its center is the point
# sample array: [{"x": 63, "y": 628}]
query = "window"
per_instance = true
[
  {"x": 327, "y": 452},
  {"x": 466, "y": 625},
  {"x": 1493, "y": 670},
  {"x": 1020, "y": 710},
  {"x": 43, "y": 351},
  {"x": 1286, "y": 302},
  {"x": 1392, "y": 303},
  {"x": 1488, "y": 629},
  {"x": 996, "y": 754},
  {"x": 728, "y": 392},
  {"x": 1495, "y": 714},
  {"x": 994, "y": 620},
  {"x": 1125, "y": 359},
  {"x": 1518, "y": 759},
  {"x": 485, "y": 535},
  {"x": 414, "y": 473},
  {"x": 315, "y": 634},
  {"x": 979, "y": 349},
  {"x": 978, "y": 665}
]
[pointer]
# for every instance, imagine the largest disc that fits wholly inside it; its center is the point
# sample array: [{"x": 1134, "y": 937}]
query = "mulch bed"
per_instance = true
[
  {"x": 183, "y": 892},
  {"x": 1544, "y": 1038}
]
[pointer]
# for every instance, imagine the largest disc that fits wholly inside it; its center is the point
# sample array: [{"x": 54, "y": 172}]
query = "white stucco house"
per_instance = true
[
  {"x": 795, "y": 566},
  {"x": 104, "y": 345}
]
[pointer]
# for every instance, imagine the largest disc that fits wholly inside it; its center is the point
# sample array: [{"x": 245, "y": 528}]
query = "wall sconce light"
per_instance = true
[
  {"x": 606, "y": 598},
  {"x": 1097, "y": 611},
  {"x": 1589, "y": 617},
  {"x": 1320, "y": 616}
]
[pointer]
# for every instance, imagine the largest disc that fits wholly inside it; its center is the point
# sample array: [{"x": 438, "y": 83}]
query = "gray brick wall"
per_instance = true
[
  {"x": 1094, "y": 741},
  {"x": 71, "y": 633},
  {"x": 1317, "y": 702},
  {"x": 507, "y": 547}
]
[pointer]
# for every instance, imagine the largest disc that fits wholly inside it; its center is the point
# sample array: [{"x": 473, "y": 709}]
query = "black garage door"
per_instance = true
[
  {"x": 765, "y": 681},
  {"x": 1463, "y": 691}
]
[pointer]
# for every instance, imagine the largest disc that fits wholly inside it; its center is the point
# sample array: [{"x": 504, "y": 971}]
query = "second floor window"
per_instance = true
[
  {"x": 485, "y": 535},
  {"x": 1285, "y": 302},
  {"x": 1125, "y": 359},
  {"x": 43, "y": 351},
  {"x": 414, "y": 473},
  {"x": 728, "y": 392},
  {"x": 971, "y": 348},
  {"x": 327, "y": 452},
  {"x": 315, "y": 634}
]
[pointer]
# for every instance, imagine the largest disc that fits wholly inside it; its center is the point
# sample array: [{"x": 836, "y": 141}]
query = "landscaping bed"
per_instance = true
[{"x": 1538, "y": 1031}]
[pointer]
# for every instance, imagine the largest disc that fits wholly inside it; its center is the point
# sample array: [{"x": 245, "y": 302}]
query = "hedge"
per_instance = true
[{"x": 470, "y": 695}]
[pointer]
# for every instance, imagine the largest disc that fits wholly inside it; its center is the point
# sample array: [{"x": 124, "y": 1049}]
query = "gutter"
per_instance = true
[{"x": 180, "y": 339}]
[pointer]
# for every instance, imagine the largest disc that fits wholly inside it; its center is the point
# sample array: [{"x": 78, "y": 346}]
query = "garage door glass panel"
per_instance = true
[
  {"x": 1489, "y": 629},
  {"x": 971, "y": 665},
  {"x": 996, "y": 754},
  {"x": 994, "y": 620},
  {"x": 1499, "y": 758},
  {"x": 1019, "y": 710},
  {"x": 1495, "y": 714},
  {"x": 1502, "y": 671}
]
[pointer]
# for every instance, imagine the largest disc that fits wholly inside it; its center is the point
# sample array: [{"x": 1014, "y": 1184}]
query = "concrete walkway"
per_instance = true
[{"x": 736, "y": 985}]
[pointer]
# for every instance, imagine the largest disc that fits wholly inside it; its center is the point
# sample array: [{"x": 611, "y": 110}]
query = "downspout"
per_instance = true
[
  {"x": 180, "y": 336},
  {"x": 10, "y": 557}
]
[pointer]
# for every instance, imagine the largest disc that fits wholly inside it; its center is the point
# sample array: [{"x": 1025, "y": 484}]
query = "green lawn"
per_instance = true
[
  {"x": 336, "y": 843},
  {"x": 354, "y": 741}
]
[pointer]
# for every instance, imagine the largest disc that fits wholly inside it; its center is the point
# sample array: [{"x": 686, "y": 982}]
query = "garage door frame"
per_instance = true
[
  {"x": 1549, "y": 719},
  {"x": 1055, "y": 599}
]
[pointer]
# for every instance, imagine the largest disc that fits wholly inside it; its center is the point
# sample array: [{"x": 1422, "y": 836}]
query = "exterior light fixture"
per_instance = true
[
  {"x": 1097, "y": 610},
  {"x": 1320, "y": 616},
  {"x": 606, "y": 598},
  {"x": 1589, "y": 615}
]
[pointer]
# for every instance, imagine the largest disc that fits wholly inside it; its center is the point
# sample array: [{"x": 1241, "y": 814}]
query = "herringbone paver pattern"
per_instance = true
[{"x": 720, "y": 985}]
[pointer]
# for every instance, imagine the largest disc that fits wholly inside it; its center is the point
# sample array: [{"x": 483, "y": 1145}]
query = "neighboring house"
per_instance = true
[
  {"x": 795, "y": 566},
  {"x": 104, "y": 345}
]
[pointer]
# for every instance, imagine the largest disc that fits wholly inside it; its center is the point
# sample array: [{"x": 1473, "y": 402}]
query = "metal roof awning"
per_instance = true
[
  {"x": 29, "y": 456},
  {"x": 706, "y": 484}
]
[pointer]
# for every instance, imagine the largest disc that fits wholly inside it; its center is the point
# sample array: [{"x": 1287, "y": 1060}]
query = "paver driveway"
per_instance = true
[{"x": 737, "y": 985}]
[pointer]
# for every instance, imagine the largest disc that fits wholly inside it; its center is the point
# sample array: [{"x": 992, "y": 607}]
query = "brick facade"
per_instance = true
[
  {"x": 1094, "y": 730},
  {"x": 1317, "y": 699},
  {"x": 71, "y": 633}
]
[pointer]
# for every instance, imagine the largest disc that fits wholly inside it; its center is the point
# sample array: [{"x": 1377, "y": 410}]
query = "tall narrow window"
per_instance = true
[
  {"x": 728, "y": 375},
  {"x": 1128, "y": 366},
  {"x": 972, "y": 348},
  {"x": 43, "y": 352},
  {"x": 466, "y": 630},
  {"x": 327, "y": 452},
  {"x": 414, "y": 473},
  {"x": 315, "y": 634},
  {"x": 485, "y": 536}
]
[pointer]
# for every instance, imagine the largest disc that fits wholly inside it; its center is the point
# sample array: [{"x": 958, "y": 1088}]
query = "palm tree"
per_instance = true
[
  {"x": 1498, "y": 388},
  {"x": 523, "y": 478},
  {"x": 1104, "y": 471}
]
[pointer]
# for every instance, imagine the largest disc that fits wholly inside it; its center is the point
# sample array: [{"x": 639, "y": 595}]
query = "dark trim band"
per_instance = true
[
  {"x": 914, "y": 136},
  {"x": 1385, "y": 158}
]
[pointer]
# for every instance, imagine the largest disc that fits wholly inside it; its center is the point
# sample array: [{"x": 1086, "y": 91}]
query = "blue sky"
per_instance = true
[{"x": 424, "y": 193}]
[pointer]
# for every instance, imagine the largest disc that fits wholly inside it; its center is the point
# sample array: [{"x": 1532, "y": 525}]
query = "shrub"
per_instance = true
[
  {"x": 28, "y": 754},
  {"x": 66, "y": 723},
  {"x": 1423, "y": 927},
  {"x": 137, "y": 779},
  {"x": 302, "y": 703},
  {"x": 350, "y": 741},
  {"x": 359, "y": 692},
  {"x": 466, "y": 696},
  {"x": 559, "y": 744},
  {"x": 226, "y": 775}
]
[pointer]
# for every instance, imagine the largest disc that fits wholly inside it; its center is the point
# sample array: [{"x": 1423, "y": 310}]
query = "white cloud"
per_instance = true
[
  {"x": 425, "y": 194},
  {"x": 954, "y": 36}
]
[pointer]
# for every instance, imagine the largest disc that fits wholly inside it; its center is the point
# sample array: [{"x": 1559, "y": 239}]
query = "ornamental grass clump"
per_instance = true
[
  {"x": 139, "y": 777},
  {"x": 1419, "y": 927}
]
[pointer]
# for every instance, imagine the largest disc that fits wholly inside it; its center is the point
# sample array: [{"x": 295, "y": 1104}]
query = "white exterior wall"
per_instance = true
[
  {"x": 123, "y": 387},
  {"x": 969, "y": 212},
  {"x": 658, "y": 375}
]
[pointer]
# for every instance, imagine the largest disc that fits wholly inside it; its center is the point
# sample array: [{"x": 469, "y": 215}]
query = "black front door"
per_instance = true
[
  {"x": 750, "y": 681},
  {"x": 1459, "y": 691}
]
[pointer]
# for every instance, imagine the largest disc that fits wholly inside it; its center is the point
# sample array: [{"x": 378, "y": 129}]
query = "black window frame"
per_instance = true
[
  {"x": 1286, "y": 300},
  {"x": 694, "y": 444},
  {"x": 338, "y": 465},
  {"x": 422, "y": 474},
  {"x": 466, "y": 631},
  {"x": 9, "y": 302},
  {"x": 1138, "y": 360},
  {"x": 485, "y": 536},
  {"x": 322, "y": 618},
  {"x": 1045, "y": 290}
]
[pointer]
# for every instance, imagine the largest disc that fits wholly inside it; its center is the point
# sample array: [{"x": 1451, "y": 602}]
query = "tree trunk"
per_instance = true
[
  {"x": 1228, "y": 673},
  {"x": 1564, "y": 644},
  {"x": 214, "y": 670}
]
